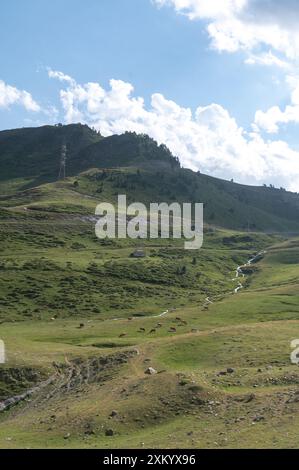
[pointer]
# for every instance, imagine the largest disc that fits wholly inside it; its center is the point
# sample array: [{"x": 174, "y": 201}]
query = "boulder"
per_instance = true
[{"x": 150, "y": 371}]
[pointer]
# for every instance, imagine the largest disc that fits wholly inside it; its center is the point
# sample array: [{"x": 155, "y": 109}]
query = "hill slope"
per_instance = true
[
  {"x": 133, "y": 164},
  {"x": 34, "y": 153}
]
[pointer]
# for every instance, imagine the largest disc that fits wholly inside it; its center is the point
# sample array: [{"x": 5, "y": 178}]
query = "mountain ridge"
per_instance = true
[{"x": 102, "y": 167}]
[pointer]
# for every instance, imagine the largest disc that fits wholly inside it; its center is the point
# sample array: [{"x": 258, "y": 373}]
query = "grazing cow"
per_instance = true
[{"x": 152, "y": 331}]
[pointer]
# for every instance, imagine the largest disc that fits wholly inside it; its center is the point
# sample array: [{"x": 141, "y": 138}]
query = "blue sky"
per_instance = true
[{"x": 165, "y": 51}]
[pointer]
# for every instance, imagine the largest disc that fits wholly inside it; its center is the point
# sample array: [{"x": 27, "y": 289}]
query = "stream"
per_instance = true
[{"x": 239, "y": 271}]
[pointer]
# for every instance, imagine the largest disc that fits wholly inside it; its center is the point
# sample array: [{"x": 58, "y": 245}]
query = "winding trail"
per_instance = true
[{"x": 141, "y": 317}]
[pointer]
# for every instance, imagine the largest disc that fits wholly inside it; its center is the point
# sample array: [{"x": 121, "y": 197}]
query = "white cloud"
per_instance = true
[
  {"x": 235, "y": 25},
  {"x": 209, "y": 140},
  {"x": 270, "y": 120},
  {"x": 257, "y": 27},
  {"x": 10, "y": 95},
  {"x": 268, "y": 59},
  {"x": 204, "y": 9},
  {"x": 62, "y": 77}
]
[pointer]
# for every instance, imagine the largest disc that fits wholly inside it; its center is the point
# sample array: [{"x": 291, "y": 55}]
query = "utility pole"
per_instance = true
[{"x": 62, "y": 162}]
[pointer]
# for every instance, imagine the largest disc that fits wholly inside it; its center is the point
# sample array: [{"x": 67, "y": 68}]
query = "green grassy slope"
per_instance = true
[
  {"x": 58, "y": 267},
  {"x": 187, "y": 404},
  {"x": 52, "y": 264}
]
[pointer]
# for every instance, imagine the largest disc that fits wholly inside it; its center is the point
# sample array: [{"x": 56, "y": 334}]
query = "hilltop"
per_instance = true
[{"x": 32, "y": 155}]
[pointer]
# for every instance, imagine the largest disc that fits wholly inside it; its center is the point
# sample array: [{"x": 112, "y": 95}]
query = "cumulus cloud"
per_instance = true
[
  {"x": 208, "y": 140},
  {"x": 270, "y": 120},
  {"x": 235, "y": 25},
  {"x": 10, "y": 95},
  {"x": 267, "y": 30}
]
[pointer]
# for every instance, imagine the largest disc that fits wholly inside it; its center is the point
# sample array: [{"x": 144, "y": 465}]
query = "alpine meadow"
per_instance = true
[{"x": 135, "y": 342}]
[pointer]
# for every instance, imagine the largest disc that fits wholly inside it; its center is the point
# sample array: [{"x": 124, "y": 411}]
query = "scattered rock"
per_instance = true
[
  {"x": 109, "y": 432},
  {"x": 246, "y": 399},
  {"x": 249, "y": 398},
  {"x": 113, "y": 413},
  {"x": 230, "y": 370},
  {"x": 294, "y": 399},
  {"x": 183, "y": 382},
  {"x": 257, "y": 419},
  {"x": 67, "y": 436},
  {"x": 150, "y": 371},
  {"x": 89, "y": 431}
]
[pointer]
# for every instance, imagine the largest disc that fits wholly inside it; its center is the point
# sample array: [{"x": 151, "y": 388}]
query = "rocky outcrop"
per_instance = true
[{"x": 72, "y": 375}]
